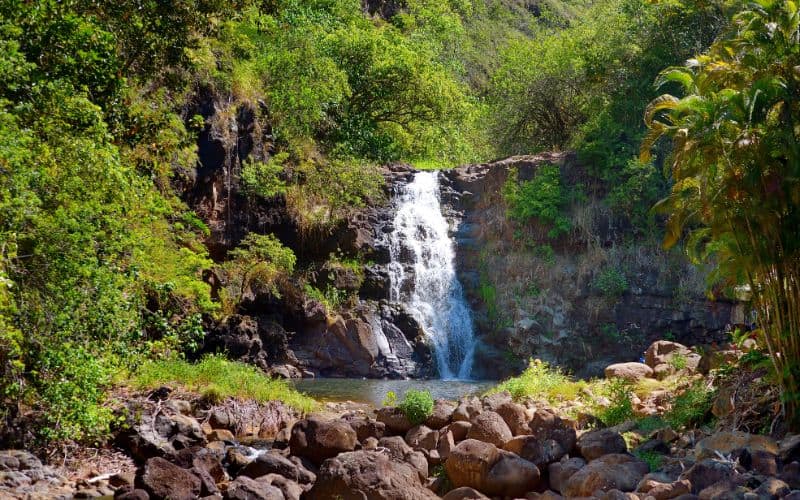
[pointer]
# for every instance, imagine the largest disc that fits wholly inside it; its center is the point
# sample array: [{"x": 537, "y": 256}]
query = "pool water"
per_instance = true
[{"x": 374, "y": 391}]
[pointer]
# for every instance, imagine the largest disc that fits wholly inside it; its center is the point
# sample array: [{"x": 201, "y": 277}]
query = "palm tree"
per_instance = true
[{"x": 735, "y": 164}]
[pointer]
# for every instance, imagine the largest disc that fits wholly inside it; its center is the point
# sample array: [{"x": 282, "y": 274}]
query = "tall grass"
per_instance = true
[
  {"x": 223, "y": 378},
  {"x": 541, "y": 381}
]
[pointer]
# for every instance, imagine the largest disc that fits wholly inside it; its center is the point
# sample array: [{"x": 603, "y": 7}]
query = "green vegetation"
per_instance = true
[
  {"x": 678, "y": 361},
  {"x": 692, "y": 407},
  {"x": 260, "y": 261},
  {"x": 102, "y": 264},
  {"x": 541, "y": 381},
  {"x": 734, "y": 163},
  {"x": 542, "y": 198},
  {"x": 222, "y": 378},
  {"x": 331, "y": 297},
  {"x": 620, "y": 409},
  {"x": 653, "y": 459},
  {"x": 417, "y": 405},
  {"x": 611, "y": 282}
]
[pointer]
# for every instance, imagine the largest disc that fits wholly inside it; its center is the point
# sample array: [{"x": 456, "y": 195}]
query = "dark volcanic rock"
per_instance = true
[
  {"x": 368, "y": 475},
  {"x": 163, "y": 479},
  {"x": 318, "y": 440}
]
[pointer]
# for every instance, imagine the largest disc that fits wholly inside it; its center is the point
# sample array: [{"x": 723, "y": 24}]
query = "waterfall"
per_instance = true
[{"x": 431, "y": 290}]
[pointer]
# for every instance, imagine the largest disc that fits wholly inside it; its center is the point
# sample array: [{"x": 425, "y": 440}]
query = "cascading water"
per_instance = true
[{"x": 432, "y": 291}]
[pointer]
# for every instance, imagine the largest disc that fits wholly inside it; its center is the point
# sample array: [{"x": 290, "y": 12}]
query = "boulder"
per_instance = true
[
  {"x": 131, "y": 494},
  {"x": 595, "y": 444},
  {"x": 290, "y": 489},
  {"x": 559, "y": 472},
  {"x": 664, "y": 491},
  {"x": 708, "y": 472},
  {"x": 318, "y": 439},
  {"x": 608, "y": 472},
  {"x": 515, "y": 416},
  {"x": 396, "y": 446},
  {"x": 162, "y": 479},
  {"x": 366, "y": 428},
  {"x": 419, "y": 462},
  {"x": 491, "y": 428},
  {"x": 662, "y": 351},
  {"x": 418, "y": 433},
  {"x": 464, "y": 493},
  {"x": 546, "y": 425},
  {"x": 246, "y": 488},
  {"x": 441, "y": 415},
  {"x": 511, "y": 476},
  {"x": 760, "y": 462},
  {"x": 726, "y": 443},
  {"x": 273, "y": 463},
  {"x": 445, "y": 445},
  {"x": 494, "y": 400},
  {"x": 367, "y": 475},
  {"x": 629, "y": 371},
  {"x": 791, "y": 475},
  {"x": 467, "y": 410},
  {"x": 726, "y": 489},
  {"x": 459, "y": 429},
  {"x": 470, "y": 462},
  {"x": 789, "y": 448},
  {"x": 210, "y": 462},
  {"x": 772, "y": 488},
  {"x": 539, "y": 451},
  {"x": 394, "y": 420}
]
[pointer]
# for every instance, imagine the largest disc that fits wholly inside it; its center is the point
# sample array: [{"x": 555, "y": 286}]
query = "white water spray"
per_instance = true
[{"x": 435, "y": 296}]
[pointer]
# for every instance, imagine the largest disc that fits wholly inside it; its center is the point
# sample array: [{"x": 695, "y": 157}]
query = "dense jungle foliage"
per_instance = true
[{"x": 101, "y": 262}]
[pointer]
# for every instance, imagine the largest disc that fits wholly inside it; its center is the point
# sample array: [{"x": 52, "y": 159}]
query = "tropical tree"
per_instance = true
[{"x": 735, "y": 164}]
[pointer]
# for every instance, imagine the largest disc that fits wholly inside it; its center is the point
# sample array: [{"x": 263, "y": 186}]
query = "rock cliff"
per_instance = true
[{"x": 535, "y": 297}]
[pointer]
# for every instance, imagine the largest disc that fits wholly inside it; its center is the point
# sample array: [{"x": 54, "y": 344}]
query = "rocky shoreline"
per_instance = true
[{"x": 182, "y": 446}]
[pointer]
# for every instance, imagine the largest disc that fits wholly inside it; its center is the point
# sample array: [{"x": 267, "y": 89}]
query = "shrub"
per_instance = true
[
  {"x": 611, "y": 282},
  {"x": 417, "y": 406},
  {"x": 691, "y": 408},
  {"x": 259, "y": 261},
  {"x": 541, "y": 381},
  {"x": 263, "y": 179},
  {"x": 678, "y": 361},
  {"x": 331, "y": 297},
  {"x": 542, "y": 198},
  {"x": 619, "y": 392}
]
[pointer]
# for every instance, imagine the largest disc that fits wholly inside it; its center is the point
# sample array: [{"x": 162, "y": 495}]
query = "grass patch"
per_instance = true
[
  {"x": 220, "y": 378},
  {"x": 541, "y": 381}
]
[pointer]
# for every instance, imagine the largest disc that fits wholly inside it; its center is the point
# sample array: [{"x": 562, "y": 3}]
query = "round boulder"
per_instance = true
[
  {"x": 394, "y": 420},
  {"x": 491, "y": 428},
  {"x": 595, "y": 444},
  {"x": 441, "y": 415},
  {"x": 629, "y": 371},
  {"x": 163, "y": 479},
  {"x": 515, "y": 417},
  {"x": 367, "y": 474},
  {"x": 511, "y": 476},
  {"x": 609, "y": 472},
  {"x": 318, "y": 439},
  {"x": 470, "y": 462}
]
